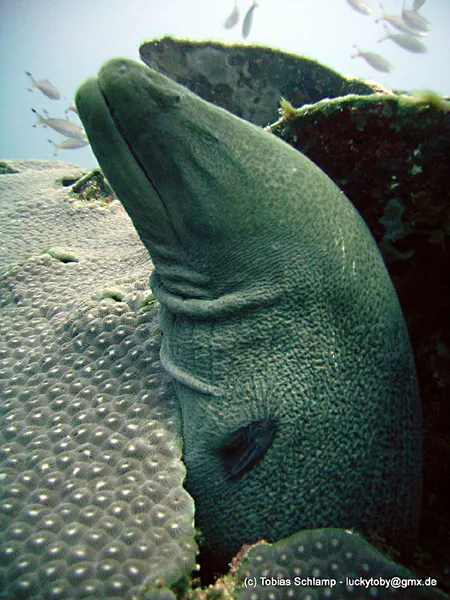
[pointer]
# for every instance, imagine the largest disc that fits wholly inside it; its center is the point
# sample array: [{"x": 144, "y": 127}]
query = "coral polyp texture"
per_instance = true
[
  {"x": 92, "y": 503},
  {"x": 326, "y": 563}
]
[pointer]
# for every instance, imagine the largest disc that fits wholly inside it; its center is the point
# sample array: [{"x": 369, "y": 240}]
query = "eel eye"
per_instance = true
[{"x": 246, "y": 446}]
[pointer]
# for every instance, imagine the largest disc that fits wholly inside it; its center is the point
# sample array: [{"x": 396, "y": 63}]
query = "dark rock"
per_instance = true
[{"x": 248, "y": 80}]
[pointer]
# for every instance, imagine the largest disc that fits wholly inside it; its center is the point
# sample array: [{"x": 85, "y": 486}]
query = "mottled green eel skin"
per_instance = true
[{"x": 281, "y": 327}]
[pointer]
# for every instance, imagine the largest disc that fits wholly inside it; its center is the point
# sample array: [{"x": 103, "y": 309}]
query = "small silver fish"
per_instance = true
[
  {"x": 417, "y": 4},
  {"x": 414, "y": 20},
  {"x": 411, "y": 44},
  {"x": 47, "y": 88},
  {"x": 69, "y": 144},
  {"x": 360, "y": 6},
  {"x": 248, "y": 20},
  {"x": 397, "y": 22},
  {"x": 72, "y": 108},
  {"x": 61, "y": 126},
  {"x": 233, "y": 18},
  {"x": 376, "y": 61}
]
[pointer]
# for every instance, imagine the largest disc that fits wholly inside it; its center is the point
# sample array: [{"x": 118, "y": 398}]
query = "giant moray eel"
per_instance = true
[{"x": 281, "y": 327}]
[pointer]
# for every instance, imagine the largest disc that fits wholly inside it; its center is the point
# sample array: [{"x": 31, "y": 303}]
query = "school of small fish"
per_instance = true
[
  {"x": 410, "y": 23},
  {"x": 247, "y": 23},
  {"x": 75, "y": 135}
]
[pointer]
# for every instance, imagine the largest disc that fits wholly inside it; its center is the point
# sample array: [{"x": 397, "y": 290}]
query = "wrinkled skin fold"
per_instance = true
[{"x": 281, "y": 327}]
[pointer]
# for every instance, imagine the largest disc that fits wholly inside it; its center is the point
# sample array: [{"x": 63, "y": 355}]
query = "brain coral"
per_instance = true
[{"x": 92, "y": 503}]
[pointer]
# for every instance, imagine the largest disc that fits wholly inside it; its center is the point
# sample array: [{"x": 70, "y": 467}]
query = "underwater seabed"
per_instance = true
[{"x": 93, "y": 502}]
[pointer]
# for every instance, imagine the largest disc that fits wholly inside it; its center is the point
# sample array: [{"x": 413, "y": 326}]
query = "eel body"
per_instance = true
[{"x": 281, "y": 328}]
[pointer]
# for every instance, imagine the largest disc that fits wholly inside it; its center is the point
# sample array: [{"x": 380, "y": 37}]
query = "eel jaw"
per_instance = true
[{"x": 128, "y": 177}]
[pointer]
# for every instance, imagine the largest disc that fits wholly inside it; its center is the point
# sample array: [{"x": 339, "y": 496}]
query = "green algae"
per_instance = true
[
  {"x": 93, "y": 187},
  {"x": 63, "y": 256},
  {"x": 5, "y": 169}
]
